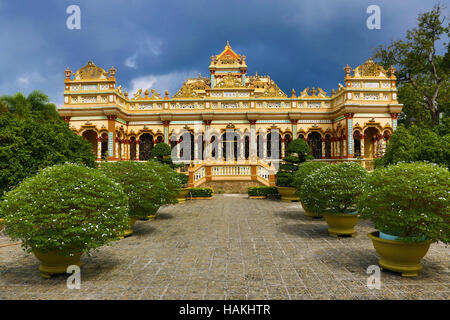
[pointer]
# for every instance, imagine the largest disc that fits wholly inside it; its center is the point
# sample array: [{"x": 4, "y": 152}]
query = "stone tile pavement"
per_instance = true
[{"x": 228, "y": 248}]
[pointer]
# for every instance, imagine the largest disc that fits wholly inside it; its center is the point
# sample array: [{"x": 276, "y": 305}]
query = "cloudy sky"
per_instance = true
[{"x": 157, "y": 44}]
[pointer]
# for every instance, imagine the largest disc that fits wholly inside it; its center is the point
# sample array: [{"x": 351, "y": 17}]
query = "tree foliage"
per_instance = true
[
  {"x": 297, "y": 152},
  {"x": 422, "y": 74},
  {"x": 418, "y": 144},
  {"x": 33, "y": 136}
]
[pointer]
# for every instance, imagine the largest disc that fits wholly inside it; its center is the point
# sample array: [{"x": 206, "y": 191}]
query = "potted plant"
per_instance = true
[
  {"x": 305, "y": 169},
  {"x": 184, "y": 188},
  {"x": 201, "y": 193},
  {"x": 296, "y": 153},
  {"x": 147, "y": 186},
  {"x": 334, "y": 190},
  {"x": 409, "y": 205},
  {"x": 62, "y": 212}
]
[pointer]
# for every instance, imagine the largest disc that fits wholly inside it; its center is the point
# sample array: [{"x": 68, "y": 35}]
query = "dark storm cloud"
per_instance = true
[{"x": 159, "y": 43}]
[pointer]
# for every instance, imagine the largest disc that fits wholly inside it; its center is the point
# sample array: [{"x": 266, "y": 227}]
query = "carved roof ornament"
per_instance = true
[
  {"x": 293, "y": 93},
  {"x": 322, "y": 93},
  {"x": 229, "y": 81},
  {"x": 313, "y": 92},
  {"x": 230, "y": 126},
  {"x": 370, "y": 69},
  {"x": 304, "y": 93},
  {"x": 137, "y": 95},
  {"x": 90, "y": 71},
  {"x": 274, "y": 91},
  {"x": 68, "y": 72},
  {"x": 186, "y": 91}
]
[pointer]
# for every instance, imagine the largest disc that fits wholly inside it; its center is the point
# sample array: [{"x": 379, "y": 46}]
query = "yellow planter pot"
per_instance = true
[
  {"x": 341, "y": 224},
  {"x": 129, "y": 232},
  {"x": 309, "y": 213},
  {"x": 2, "y": 224},
  {"x": 287, "y": 194},
  {"x": 52, "y": 263},
  {"x": 182, "y": 195},
  {"x": 399, "y": 256},
  {"x": 256, "y": 197}
]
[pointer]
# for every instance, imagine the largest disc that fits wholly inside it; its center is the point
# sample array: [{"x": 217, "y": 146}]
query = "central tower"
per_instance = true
[{"x": 227, "y": 64}]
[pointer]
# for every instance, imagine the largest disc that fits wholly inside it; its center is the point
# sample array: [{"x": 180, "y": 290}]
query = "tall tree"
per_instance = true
[{"x": 423, "y": 74}]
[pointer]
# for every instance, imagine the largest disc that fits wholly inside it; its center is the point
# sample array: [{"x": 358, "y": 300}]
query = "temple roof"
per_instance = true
[
  {"x": 90, "y": 71},
  {"x": 228, "y": 59}
]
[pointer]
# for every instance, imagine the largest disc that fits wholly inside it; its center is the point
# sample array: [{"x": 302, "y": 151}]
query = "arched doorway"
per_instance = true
[
  {"x": 145, "y": 146},
  {"x": 315, "y": 142},
  {"x": 357, "y": 144},
  {"x": 370, "y": 139},
  {"x": 91, "y": 136},
  {"x": 133, "y": 148},
  {"x": 246, "y": 147},
  {"x": 230, "y": 146},
  {"x": 104, "y": 146},
  {"x": 287, "y": 140},
  {"x": 260, "y": 146}
]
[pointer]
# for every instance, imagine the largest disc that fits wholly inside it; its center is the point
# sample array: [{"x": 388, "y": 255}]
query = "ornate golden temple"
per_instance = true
[{"x": 230, "y": 117}]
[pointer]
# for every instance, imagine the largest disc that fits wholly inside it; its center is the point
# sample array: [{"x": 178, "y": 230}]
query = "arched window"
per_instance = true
[
  {"x": 315, "y": 142},
  {"x": 146, "y": 146},
  {"x": 259, "y": 146},
  {"x": 357, "y": 144},
  {"x": 287, "y": 140},
  {"x": 273, "y": 145},
  {"x": 246, "y": 147},
  {"x": 104, "y": 146}
]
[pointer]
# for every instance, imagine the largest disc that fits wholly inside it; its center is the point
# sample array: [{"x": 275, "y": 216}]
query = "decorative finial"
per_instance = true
[
  {"x": 68, "y": 72},
  {"x": 333, "y": 92},
  {"x": 347, "y": 70},
  {"x": 126, "y": 94},
  {"x": 228, "y": 43},
  {"x": 313, "y": 91},
  {"x": 166, "y": 97},
  {"x": 112, "y": 72},
  {"x": 392, "y": 70},
  {"x": 293, "y": 93},
  {"x": 146, "y": 93}
]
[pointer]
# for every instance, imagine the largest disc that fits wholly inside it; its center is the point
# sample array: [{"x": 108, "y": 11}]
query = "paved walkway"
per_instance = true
[{"x": 228, "y": 248}]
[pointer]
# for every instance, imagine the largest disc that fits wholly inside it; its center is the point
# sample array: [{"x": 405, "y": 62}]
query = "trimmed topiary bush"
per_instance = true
[
  {"x": 334, "y": 188},
  {"x": 297, "y": 152},
  {"x": 184, "y": 179},
  {"x": 201, "y": 192},
  {"x": 65, "y": 209},
  {"x": 148, "y": 185},
  {"x": 262, "y": 191},
  {"x": 409, "y": 200}
]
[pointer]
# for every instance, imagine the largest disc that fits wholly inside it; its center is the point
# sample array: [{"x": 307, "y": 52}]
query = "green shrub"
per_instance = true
[
  {"x": 201, "y": 192},
  {"x": 262, "y": 191},
  {"x": 184, "y": 179},
  {"x": 410, "y": 200},
  {"x": 65, "y": 209},
  {"x": 304, "y": 170},
  {"x": 148, "y": 185},
  {"x": 161, "y": 150},
  {"x": 297, "y": 152},
  {"x": 334, "y": 188}
]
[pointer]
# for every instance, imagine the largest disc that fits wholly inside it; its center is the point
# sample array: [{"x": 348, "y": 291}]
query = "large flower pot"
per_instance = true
[
  {"x": 182, "y": 195},
  {"x": 129, "y": 232},
  {"x": 2, "y": 224},
  {"x": 341, "y": 224},
  {"x": 399, "y": 256},
  {"x": 309, "y": 213},
  {"x": 287, "y": 194},
  {"x": 52, "y": 263}
]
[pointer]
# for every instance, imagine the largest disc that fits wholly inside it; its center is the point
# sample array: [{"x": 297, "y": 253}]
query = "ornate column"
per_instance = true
[
  {"x": 282, "y": 148},
  {"x": 361, "y": 139},
  {"x": 394, "y": 117},
  {"x": 137, "y": 148},
  {"x": 349, "y": 141},
  {"x": 166, "y": 131},
  {"x": 112, "y": 139},
  {"x": 294, "y": 128},
  {"x": 196, "y": 141},
  {"x": 99, "y": 148},
  {"x": 208, "y": 146},
  {"x": 264, "y": 148},
  {"x": 323, "y": 148},
  {"x": 253, "y": 141}
]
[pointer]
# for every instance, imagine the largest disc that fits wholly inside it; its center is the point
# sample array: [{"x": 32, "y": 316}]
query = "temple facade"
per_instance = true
[{"x": 233, "y": 117}]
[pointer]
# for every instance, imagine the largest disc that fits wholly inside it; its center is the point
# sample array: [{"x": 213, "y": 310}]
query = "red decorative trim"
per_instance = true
[
  {"x": 394, "y": 116},
  {"x": 252, "y": 122},
  {"x": 349, "y": 115}
]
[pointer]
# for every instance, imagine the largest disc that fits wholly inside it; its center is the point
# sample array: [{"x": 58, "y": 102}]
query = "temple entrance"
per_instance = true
[
  {"x": 146, "y": 146},
  {"x": 370, "y": 135},
  {"x": 315, "y": 142},
  {"x": 91, "y": 136}
]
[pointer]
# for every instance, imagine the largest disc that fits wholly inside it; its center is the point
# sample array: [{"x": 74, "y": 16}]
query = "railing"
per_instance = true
[
  {"x": 231, "y": 171},
  {"x": 258, "y": 171}
]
